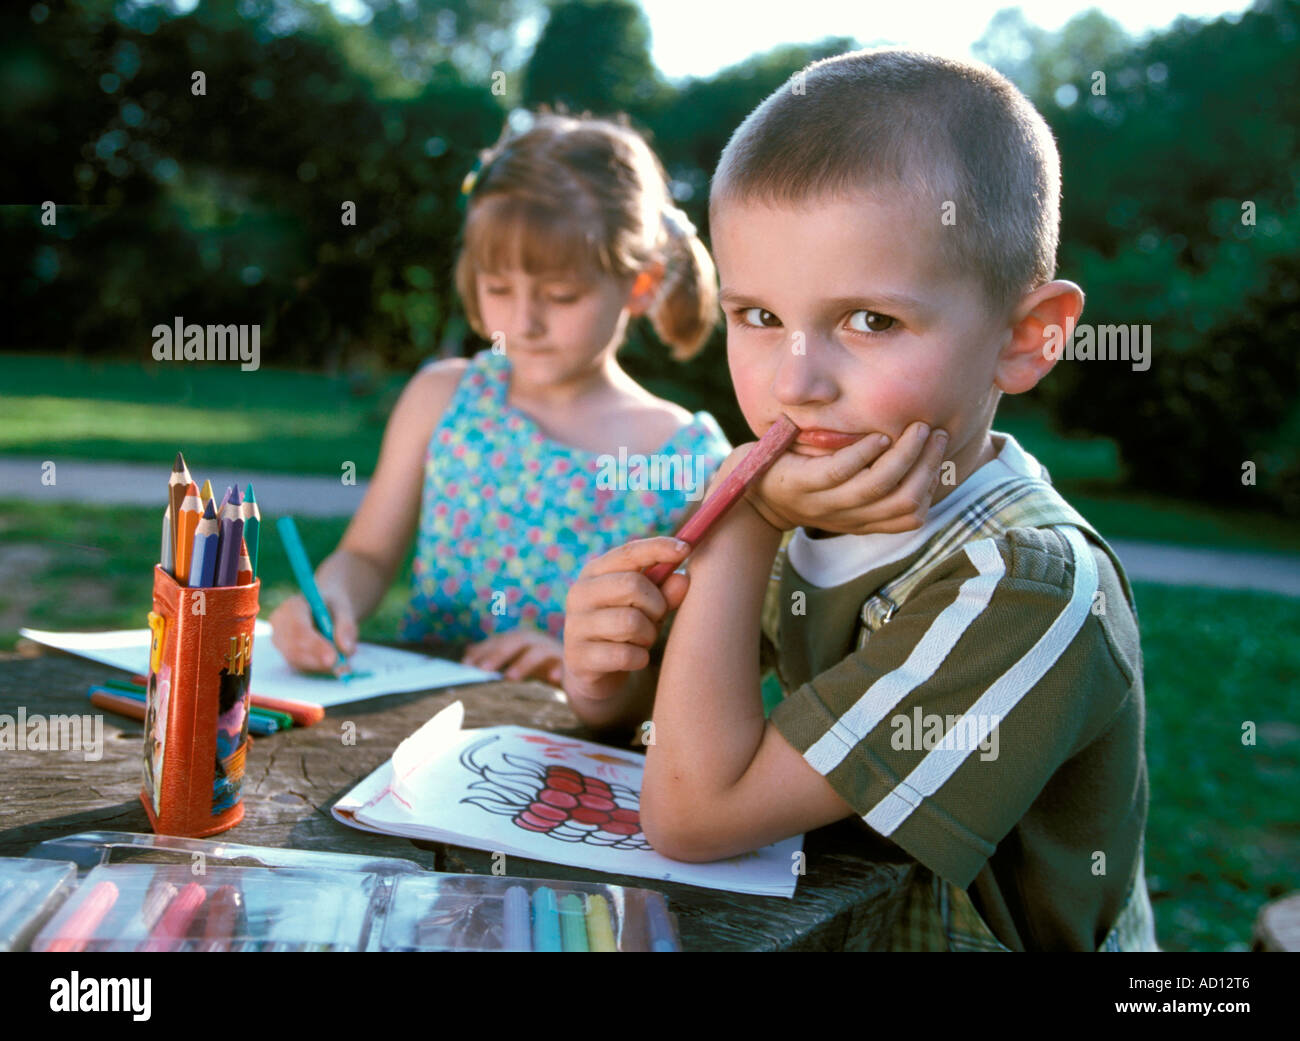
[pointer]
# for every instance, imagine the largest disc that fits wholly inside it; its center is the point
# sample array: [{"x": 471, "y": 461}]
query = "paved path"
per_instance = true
[{"x": 137, "y": 484}]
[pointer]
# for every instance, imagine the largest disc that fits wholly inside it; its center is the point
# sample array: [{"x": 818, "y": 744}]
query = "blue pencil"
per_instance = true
[
  {"x": 203, "y": 561},
  {"x": 661, "y": 932},
  {"x": 517, "y": 920},
  {"x": 546, "y": 921}
]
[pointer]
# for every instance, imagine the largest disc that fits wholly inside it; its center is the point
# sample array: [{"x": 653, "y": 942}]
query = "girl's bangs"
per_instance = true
[{"x": 511, "y": 233}]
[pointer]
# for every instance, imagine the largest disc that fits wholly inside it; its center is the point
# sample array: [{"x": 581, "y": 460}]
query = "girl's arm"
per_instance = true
[{"x": 354, "y": 578}]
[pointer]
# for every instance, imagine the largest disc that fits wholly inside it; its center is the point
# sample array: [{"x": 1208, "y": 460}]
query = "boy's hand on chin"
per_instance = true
[{"x": 868, "y": 487}]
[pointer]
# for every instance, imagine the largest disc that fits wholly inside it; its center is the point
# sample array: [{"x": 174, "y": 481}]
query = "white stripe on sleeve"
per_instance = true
[
  {"x": 941, "y": 762},
  {"x": 974, "y": 594}
]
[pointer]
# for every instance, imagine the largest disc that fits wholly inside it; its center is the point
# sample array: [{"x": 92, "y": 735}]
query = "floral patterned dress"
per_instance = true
[{"x": 509, "y": 517}]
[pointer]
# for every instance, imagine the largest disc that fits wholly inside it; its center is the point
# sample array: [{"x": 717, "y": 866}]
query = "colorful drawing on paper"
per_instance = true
[{"x": 555, "y": 800}]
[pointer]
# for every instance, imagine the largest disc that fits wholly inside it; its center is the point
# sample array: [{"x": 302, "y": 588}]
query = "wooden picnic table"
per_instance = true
[{"x": 849, "y": 895}]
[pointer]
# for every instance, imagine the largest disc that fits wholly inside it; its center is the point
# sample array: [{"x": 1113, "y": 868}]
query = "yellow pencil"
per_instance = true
[{"x": 600, "y": 930}]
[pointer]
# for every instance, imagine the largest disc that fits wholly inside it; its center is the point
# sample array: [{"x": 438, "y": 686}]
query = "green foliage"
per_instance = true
[
  {"x": 228, "y": 206},
  {"x": 1160, "y": 173},
  {"x": 594, "y": 55}
]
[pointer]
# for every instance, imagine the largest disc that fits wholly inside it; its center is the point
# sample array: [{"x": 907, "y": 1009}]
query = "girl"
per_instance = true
[{"x": 506, "y": 467}]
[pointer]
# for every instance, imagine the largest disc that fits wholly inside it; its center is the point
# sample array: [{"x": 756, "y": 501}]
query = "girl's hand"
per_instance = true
[
  {"x": 613, "y": 614},
  {"x": 864, "y": 488},
  {"x": 296, "y": 637},
  {"x": 530, "y": 654}
]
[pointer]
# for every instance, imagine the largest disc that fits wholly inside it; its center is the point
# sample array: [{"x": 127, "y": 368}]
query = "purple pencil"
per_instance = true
[
  {"x": 203, "y": 561},
  {"x": 232, "y": 534}
]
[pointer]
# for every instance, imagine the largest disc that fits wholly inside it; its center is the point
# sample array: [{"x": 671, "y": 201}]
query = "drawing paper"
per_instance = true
[
  {"x": 533, "y": 794},
  {"x": 392, "y": 671}
]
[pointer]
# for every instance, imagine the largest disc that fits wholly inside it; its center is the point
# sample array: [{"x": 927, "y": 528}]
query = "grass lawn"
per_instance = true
[
  {"x": 268, "y": 419},
  {"x": 64, "y": 407},
  {"x": 1223, "y": 835}
]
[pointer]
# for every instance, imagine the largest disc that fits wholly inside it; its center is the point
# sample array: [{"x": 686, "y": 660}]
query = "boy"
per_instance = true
[{"x": 886, "y": 235}]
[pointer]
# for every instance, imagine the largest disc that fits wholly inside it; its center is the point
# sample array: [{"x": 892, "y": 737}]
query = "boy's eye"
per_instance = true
[
  {"x": 765, "y": 319},
  {"x": 874, "y": 322}
]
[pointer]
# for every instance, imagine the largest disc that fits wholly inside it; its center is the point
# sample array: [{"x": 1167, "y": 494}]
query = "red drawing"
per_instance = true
[{"x": 558, "y": 801}]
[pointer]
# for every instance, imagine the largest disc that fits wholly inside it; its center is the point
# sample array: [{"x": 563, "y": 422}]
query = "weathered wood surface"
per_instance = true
[{"x": 847, "y": 898}]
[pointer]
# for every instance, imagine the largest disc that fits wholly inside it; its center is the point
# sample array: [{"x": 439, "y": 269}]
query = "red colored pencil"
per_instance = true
[
  {"x": 175, "y": 921},
  {"x": 123, "y": 706},
  {"x": 780, "y": 435},
  {"x": 79, "y": 928}
]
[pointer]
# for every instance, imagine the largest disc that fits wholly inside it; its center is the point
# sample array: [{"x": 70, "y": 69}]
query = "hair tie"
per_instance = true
[{"x": 470, "y": 180}]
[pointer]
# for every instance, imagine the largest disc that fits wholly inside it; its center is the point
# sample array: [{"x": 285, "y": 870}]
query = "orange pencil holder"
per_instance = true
[{"x": 196, "y": 728}]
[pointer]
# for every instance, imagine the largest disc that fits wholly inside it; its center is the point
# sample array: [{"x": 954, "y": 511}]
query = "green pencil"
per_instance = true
[{"x": 252, "y": 525}]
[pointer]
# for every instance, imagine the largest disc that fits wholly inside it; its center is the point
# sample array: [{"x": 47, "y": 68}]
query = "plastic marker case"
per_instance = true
[
  {"x": 196, "y": 728},
  {"x": 30, "y": 892},
  {"x": 437, "y": 912},
  {"x": 148, "y": 892}
]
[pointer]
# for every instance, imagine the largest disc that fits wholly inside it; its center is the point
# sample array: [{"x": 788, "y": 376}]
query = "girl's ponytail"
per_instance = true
[{"x": 685, "y": 311}]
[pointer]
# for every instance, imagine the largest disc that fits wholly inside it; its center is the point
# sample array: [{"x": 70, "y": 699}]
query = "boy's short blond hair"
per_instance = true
[{"x": 941, "y": 129}]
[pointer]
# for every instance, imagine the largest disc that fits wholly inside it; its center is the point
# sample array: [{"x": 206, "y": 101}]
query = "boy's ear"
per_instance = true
[
  {"x": 1043, "y": 316},
  {"x": 645, "y": 287}
]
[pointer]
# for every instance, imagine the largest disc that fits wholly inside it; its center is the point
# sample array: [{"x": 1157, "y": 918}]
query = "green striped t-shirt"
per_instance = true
[{"x": 992, "y": 728}]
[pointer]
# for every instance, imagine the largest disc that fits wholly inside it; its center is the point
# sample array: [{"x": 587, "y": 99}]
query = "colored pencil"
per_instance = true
[
  {"x": 600, "y": 928},
  {"x": 546, "y": 921},
  {"x": 301, "y": 566},
  {"x": 252, "y": 525},
  {"x": 156, "y": 899},
  {"x": 119, "y": 703},
  {"x": 780, "y": 435},
  {"x": 134, "y": 706},
  {"x": 222, "y": 919},
  {"x": 244, "y": 572},
  {"x": 206, "y": 493},
  {"x": 79, "y": 927},
  {"x": 176, "y": 489},
  {"x": 302, "y": 713},
  {"x": 517, "y": 921},
  {"x": 661, "y": 933},
  {"x": 166, "y": 552},
  {"x": 191, "y": 514},
  {"x": 232, "y": 536},
  {"x": 175, "y": 921},
  {"x": 573, "y": 924},
  {"x": 280, "y": 720},
  {"x": 203, "y": 561}
]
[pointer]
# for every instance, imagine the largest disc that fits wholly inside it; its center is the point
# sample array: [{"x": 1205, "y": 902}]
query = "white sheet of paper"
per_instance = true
[
  {"x": 393, "y": 671},
  {"x": 505, "y": 771}
]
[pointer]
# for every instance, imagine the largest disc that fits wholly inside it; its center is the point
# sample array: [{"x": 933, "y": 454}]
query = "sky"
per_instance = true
[{"x": 699, "y": 37}]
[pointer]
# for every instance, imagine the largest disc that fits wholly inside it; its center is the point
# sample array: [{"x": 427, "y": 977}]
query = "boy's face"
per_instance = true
[{"x": 890, "y": 335}]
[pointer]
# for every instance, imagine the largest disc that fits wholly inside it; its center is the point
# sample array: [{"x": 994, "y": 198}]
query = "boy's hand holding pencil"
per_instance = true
[{"x": 613, "y": 614}]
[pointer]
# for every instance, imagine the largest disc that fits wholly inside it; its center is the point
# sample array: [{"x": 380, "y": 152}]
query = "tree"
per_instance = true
[{"x": 594, "y": 55}]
